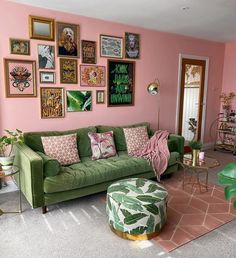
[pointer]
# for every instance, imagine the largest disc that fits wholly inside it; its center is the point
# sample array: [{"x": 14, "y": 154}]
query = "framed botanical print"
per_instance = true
[
  {"x": 100, "y": 96},
  {"x": 52, "y": 102},
  {"x": 41, "y": 28},
  {"x": 68, "y": 41},
  {"x": 111, "y": 46},
  {"x": 47, "y": 77},
  {"x": 132, "y": 45},
  {"x": 20, "y": 47},
  {"x": 121, "y": 82},
  {"x": 92, "y": 75},
  {"x": 89, "y": 52},
  {"x": 68, "y": 70},
  {"x": 20, "y": 78},
  {"x": 46, "y": 57},
  {"x": 78, "y": 101}
]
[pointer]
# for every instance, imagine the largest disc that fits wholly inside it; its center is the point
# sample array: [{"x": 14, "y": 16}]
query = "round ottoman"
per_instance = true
[{"x": 136, "y": 208}]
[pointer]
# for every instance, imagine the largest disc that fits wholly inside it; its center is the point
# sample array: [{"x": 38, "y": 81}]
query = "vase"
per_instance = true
[{"x": 195, "y": 157}]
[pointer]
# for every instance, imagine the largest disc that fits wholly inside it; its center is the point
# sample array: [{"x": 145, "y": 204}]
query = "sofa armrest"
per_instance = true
[
  {"x": 31, "y": 172},
  {"x": 180, "y": 143}
]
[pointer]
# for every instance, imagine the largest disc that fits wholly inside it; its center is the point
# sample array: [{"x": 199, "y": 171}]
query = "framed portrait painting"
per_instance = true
[
  {"x": 132, "y": 45},
  {"x": 20, "y": 47},
  {"x": 111, "y": 46},
  {"x": 78, "y": 101},
  {"x": 41, "y": 28},
  {"x": 89, "y": 51},
  {"x": 52, "y": 102},
  {"x": 92, "y": 75},
  {"x": 68, "y": 70},
  {"x": 46, "y": 57},
  {"x": 20, "y": 78},
  {"x": 121, "y": 83},
  {"x": 68, "y": 39}
]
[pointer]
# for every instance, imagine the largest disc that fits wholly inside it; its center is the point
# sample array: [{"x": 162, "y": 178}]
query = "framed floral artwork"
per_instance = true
[
  {"x": 92, "y": 76},
  {"x": 20, "y": 78},
  {"x": 20, "y": 47},
  {"x": 68, "y": 39},
  {"x": 89, "y": 52},
  {"x": 111, "y": 46},
  {"x": 68, "y": 70},
  {"x": 52, "y": 102},
  {"x": 78, "y": 101}
]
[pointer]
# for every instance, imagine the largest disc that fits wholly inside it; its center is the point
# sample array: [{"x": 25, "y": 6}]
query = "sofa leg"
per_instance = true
[{"x": 44, "y": 209}]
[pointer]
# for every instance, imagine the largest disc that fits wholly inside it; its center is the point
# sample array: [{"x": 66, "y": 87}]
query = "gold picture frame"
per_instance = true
[
  {"x": 19, "y": 46},
  {"x": 52, "y": 102},
  {"x": 20, "y": 78},
  {"x": 68, "y": 70},
  {"x": 41, "y": 28},
  {"x": 100, "y": 96}
]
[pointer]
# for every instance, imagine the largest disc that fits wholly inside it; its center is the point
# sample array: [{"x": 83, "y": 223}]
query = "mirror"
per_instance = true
[{"x": 41, "y": 29}]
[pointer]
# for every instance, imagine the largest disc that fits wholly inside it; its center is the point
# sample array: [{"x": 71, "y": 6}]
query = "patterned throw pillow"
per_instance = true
[
  {"x": 63, "y": 148},
  {"x": 135, "y": 138},
  {"x": 102, "y": 145}
]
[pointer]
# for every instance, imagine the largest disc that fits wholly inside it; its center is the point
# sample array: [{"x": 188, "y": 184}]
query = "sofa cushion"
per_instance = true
[
  {"x": 90, "y": 172},
  {"x": 62, "y": 147},
  {"x": 33, "y": 139},
  {"x": 51, "y": 167},
  {"x": 135, "y": 138},
  {"x": 102, "y": 145},
  {"x": 118, "y": 132}
]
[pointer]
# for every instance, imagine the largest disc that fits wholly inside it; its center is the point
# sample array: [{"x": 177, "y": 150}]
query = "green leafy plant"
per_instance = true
[
  {"x": 8, "y": 140},
  {"x": 195, "y": 145}
]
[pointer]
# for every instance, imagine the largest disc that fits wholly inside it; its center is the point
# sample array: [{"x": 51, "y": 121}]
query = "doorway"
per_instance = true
[{"x": 191, "y": 98}]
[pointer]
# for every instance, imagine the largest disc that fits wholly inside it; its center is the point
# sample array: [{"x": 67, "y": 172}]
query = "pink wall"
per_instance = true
[
  {"x": 159, "y": 58},
  {"x": 229, "y": 75}
]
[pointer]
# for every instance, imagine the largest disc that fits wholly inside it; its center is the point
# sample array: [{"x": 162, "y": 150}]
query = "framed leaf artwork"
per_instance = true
[
  {"x": 52, "y": 102},
  {"x": 78, "y": 101},
  {"x": 92, "y": 76},
  {"x": 68, "y": 71}
]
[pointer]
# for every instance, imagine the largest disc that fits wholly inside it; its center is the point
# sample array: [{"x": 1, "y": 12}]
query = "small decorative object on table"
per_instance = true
[{"x": 196, "y": 147}]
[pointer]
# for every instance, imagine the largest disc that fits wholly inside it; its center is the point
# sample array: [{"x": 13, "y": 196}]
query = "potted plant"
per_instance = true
[
  {"x": 196, "y": 147},
  {"x": 6, "y": 146}
]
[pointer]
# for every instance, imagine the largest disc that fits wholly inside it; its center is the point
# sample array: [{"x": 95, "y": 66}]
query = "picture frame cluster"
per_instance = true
[{"x": 21, "y": 75}]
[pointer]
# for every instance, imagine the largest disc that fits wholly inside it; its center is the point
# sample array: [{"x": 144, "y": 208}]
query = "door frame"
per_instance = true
[{"x": 205, "y": 88}]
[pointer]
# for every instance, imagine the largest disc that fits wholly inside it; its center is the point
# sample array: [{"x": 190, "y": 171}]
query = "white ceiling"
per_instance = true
[{"x": 207, "y": 19}]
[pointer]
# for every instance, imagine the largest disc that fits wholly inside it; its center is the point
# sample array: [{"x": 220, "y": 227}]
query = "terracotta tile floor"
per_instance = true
[{"x": 192, "y": 214}]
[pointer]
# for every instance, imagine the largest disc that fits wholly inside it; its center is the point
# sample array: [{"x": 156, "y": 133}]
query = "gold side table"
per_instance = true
[
  {"x": 202, "y": 167},
  {"x": 11, "y": 172}
]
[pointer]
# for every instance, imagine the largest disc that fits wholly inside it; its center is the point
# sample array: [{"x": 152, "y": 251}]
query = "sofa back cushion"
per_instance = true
[
  {"x": 33, "y": 139},
  {"x": 118, "y": 133}
]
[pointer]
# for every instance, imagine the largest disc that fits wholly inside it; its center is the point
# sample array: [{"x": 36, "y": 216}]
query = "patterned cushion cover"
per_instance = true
[
  {"x": 63, "y": 148},
  {"x": 135, "y": 138},
  {"x": 102, "y": 145}
]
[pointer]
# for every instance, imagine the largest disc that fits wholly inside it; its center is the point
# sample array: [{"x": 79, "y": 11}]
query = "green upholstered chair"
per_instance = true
[{"x": 228, "y": 177}]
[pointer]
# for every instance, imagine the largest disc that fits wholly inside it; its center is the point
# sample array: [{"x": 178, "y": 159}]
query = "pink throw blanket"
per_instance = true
[{"x": 156, "y": 151}]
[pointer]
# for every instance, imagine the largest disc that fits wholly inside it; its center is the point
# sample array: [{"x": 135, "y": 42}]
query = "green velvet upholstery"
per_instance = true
[
  {"x": 51, "y": 167},
  {"x": 87, "y": 177},
  {"x": 33, "y": 139}
]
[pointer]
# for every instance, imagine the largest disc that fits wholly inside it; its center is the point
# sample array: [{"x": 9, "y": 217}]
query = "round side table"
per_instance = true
[{"x": 11, "y": 172}]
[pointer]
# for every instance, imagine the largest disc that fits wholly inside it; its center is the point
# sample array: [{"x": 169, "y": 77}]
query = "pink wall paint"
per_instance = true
[
  {"x": 229, "y": 75},
  {"x": 159, "y": 58}
]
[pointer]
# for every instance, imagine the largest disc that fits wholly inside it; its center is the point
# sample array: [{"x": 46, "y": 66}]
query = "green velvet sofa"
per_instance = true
[{"x": 44, "y": 182}]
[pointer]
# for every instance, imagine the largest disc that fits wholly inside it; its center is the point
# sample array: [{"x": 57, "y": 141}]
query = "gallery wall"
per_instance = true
[
  {"x": 159, "y": 58},
  {"x": 229, "y": 75}
]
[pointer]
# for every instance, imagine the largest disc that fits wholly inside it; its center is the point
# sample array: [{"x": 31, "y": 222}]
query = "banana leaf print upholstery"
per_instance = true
[{"x": 136, "y": 207}]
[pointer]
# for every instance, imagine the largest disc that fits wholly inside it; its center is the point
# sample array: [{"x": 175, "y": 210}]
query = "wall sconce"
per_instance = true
[{"x": 153, "y": 87}]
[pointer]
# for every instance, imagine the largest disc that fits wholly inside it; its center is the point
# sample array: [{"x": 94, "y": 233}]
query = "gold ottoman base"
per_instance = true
[{"x": 134, "y": 237}]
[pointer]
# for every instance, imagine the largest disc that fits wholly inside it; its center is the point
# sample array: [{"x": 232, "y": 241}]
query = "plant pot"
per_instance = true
[
  {"x": 195, "y": 156},
  {"x": 7, "y": 161}
]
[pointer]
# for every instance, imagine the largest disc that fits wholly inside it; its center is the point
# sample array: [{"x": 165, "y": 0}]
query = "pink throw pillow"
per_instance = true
[
  {"x": 102, "y": 145},
  {"x": 63, "y": 148},
  {"x": 136, "y": 138}
]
